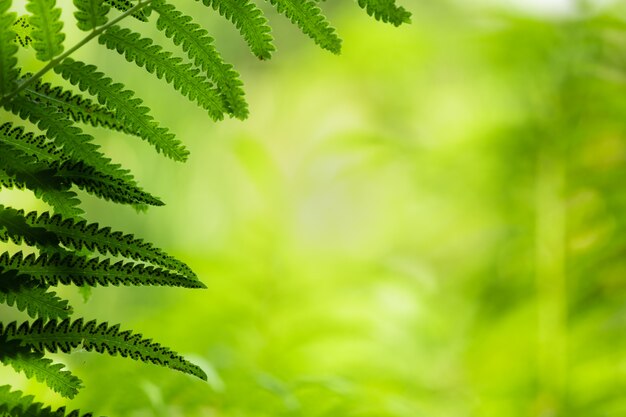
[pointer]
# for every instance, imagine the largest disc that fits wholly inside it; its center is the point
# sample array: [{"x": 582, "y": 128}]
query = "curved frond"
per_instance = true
[
  {"x": 8, "y": 49},
  {"x": 36, "y": 300},
  {"x": 71, "y": 269},
  {"x": 65, "y": 134},
  {"x": 386, "y": 11},
  {"x": 78, "y": 108},
  {"x": 199, "y": 48},
  {"x": 124, "y": 5},
  {"x": 250, "y": 21},
  {"x": 25, "y": 171},
  {"x": 35, "y": 365},
  {"x": 16, "y": 404},
  {"x": 128, "y": 108},
  {"x": 37, "y": 146},
  {"x": 46, "y": 23},
  {"x": 181, "y": 76},
  {"x": 103, "y": 185},
  {"x": 45, "y": 230},
  {"x": 15, "y": 227},
  {"x": 66, "y": 335},
  {"x": 90, "y": 14},
  {"x": 309, "y": 18}
]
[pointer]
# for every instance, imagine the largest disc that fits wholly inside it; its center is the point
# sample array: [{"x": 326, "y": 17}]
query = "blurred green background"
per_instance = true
[{"x": 431, "y": 224}]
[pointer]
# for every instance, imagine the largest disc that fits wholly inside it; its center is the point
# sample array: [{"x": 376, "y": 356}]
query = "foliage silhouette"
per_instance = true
[{"x": 63, "y": 247}]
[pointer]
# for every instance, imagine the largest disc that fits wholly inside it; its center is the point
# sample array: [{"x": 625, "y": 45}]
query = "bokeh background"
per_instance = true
[{"x": 431, "y": 224}]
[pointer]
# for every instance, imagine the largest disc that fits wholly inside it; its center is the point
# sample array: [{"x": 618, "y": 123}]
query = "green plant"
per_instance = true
[{"x": 63, "y": 248}]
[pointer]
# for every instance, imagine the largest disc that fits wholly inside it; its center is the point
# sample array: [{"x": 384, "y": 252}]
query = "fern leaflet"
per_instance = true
[
  {"x": 78, "y": 144},
  {"x": 309, "y": 18},
  {"x": 15, "y": 404},
  {"x": 76, "y": 107},
  {"x": 90, "y": 14},
  {"x": 71, "y": 269},
  {"x": 25, "y": 171},
  {"x": 8, "y": 49},
  {"x": 33, "y": 364},
  {"x": 37, "y": 146},
  {"x": 78, "y": 235},
  {"x": 66, "y": 335},
  {"x": 182, "y": 76},
  {"x": 14, "y": 226},
  {"x": 199, "y": 47},
  {"x": 386, "y": 11},
  {"x": 29, "y": 296},
  {"x": 46, "y": 22},
  {"x": 127, "y": 107},
  {"x": 250, "y": 21}
]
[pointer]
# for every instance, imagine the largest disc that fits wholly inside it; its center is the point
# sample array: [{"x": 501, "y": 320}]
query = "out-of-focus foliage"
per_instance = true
[{"x": 429, "y": 228}]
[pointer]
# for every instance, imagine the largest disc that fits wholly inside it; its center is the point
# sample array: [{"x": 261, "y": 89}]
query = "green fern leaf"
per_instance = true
[
  {"x": 66, "y": 335},
  {"x": 28, "y": 295},
  {"x": 47, "y": 178},
  {"x": 78, "y": 144},
  {"x": 38, "y": 176},
  {"x": 182, "y": 76},
  {"x": 386, "y": 11},
  {"x": 250, "y": 21},
  {"x": 125, "y": 5},
  {"x": 37, "y": 146},
  {"x": 90, "y": 14},
  {"x": 46, "y": 230},
  {"x": 16, "y": 404},
  {"x": 71, "y": 269},
  {"x": 16, "y": 227},
  {"x": 127, "y": 107},
  {"x": 102, "y": 185},
  {"x": 34, "y": 365},
  {"x": 46, "y": 22},
  {"x": 309, "y": 18},
  {"x": 78, "y": 108},
  {"x": 199, "y": 48},
  {"x": 8, "y": 49}
]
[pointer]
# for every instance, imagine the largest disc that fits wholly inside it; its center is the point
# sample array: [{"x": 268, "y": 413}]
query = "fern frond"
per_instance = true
[
  {"x": 250, "y": 21},
  {"x": 309, "y": 18},
  {"x": 29, "y": 296},
  {"x": 35, "y": 365},
  {"x": 30, "y": 144},
  {"x": 78, "y": 108},
  {"x": 78, "y": 144},
  {"x": 386, "y": 11},
  {"x": 8, "y": 49},
  {"x": 16, "y": 404},
  {"x": 182, "y": 76},
  {"x": 103, "y": 185},
  {"x": 90, "y": 14},
  {"x": 66, "y": 335},
  {"x": 15, "y": 227},
  {"x": 71, "y": 269},
  {"x": 53, "y": 178},
  {"x": 45, "y": 230},
  {"x": 127, "y": 108},
  {"x": 125, "y": 5},
  {"x": 25, "y": 171},
  {"x": 199, "y": 48},
  {"x": 46, "y": 22}
]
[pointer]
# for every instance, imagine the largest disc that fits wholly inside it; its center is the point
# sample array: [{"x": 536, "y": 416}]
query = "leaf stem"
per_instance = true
[{"x": 54, "y": 62}]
